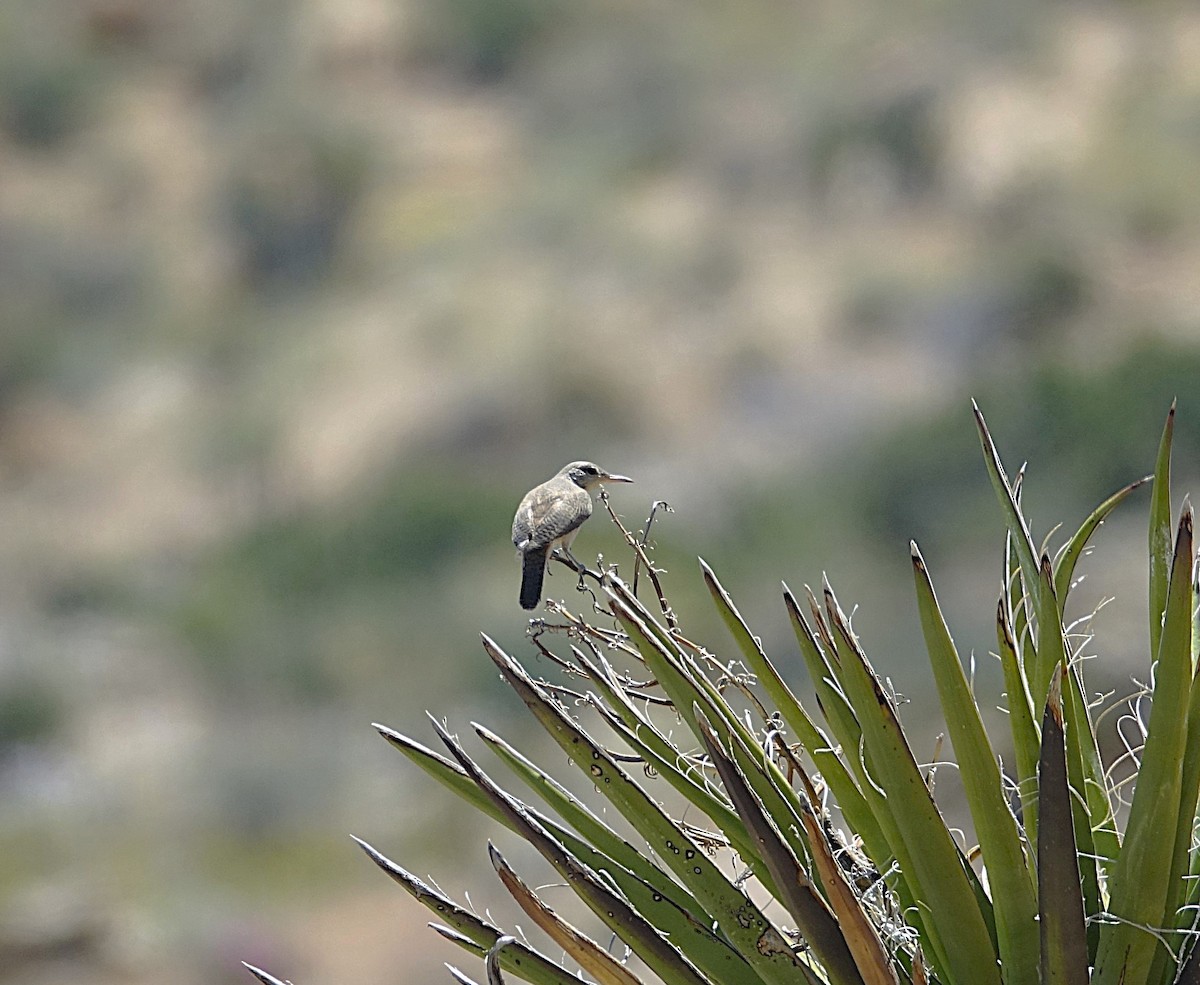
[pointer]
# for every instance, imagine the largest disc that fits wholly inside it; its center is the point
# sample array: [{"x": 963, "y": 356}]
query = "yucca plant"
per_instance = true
[{"x": 821, "y": 856}]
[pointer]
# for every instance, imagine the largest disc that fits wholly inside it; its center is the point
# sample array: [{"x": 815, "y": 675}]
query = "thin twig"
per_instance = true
[
  {"x": 654, "y": 508},
  {"x": 640, "y": 556}
]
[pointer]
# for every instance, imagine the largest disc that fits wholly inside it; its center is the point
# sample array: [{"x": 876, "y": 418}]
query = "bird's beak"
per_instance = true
[{"x": 615, "y": 478}]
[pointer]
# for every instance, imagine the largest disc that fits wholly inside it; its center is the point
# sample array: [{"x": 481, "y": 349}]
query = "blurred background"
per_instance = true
[{"x": 298, "y": 297}]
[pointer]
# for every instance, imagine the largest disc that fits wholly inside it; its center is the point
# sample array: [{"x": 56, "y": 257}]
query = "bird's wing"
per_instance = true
[
  {"x": 548, "y": 513},
  {"x": 522, "y": 530}
]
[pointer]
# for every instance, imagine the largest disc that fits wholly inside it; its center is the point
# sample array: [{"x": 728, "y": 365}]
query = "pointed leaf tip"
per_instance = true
[
  {"x": 262, "y": 976},
  {"x": 484, "y": 732},
  {"x": 443, "y": 731},
  {"x": 390, "y": 734},
  {"x": 376, "y": 856}
]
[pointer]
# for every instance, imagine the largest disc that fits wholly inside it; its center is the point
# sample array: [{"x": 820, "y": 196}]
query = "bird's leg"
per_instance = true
[
  {"x": 574, "y": 561},
  {"x": 564, "y": 555},
  {"x": 581, "y": 569}
]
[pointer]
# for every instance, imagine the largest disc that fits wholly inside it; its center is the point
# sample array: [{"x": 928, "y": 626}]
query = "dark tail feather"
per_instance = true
[{"x": 533, "y": 570}]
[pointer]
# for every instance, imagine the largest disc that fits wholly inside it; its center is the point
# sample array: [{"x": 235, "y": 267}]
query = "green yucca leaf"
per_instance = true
[
  {"x": 1096, "y": 831},
  {"x": 833, "y": 770},
  {"x": 1063, "y": 936},
  {"x": 447, "y": 773},
  {"x": 520, "y": 960},
  {"x": 882, "y": 837},
  {"x": 1020, "y": 604},
  {"x": 683, "y": 681},
  {"x": 995, "y": 826},
  {"x": 1036, "y": 575},
  {"x": 643, "y": 737},
  {"x": 1160, "y": 531},
  {"x": 592, "y": 958},
  {"x": 684, "y": 774},
  {"x": 780, "y": 694},
  {"x": 674, "y": 675},
  {"x": 1064, "y": 567},
  {"x": 1106, "y": 839},
  {"x": 660, "y": 955},
  {"x": 808, "y": 908},
  {"x": 773, "y": 791},
  {"x": 856, "y": 807},
  {"x": 862, "y": 938},
  {"x": 1138, "y": 886},
  {"x": 454, "y": 937},
  {"x": 818, "y": 653},
  {"x": 452, "y": 776},
  {"x": 1089, "y": 869},
  {"x": 595, "y": 832},
  {"x": 1185, "y": 864},
  {"x": 1022, "y": 540},
  {"x": 1192, "y": 902},
  {"x": 863, "y": 807},
  {"x": 262, "y": 976},
  {"x": 1121, "y": 903},
  {"x": 1051, "y": 643},
  {"x": 739, "y": 919},
  {"x": 1083, "y": 755},
  {"x": 815, "y": 742},
  {"x": 1020, "y": 717},
  {"x": 958, "y": 931},
  {"x": 666, "y": 904},
  {"x": 492, "y": 956},
  {"x": 840, "y": 717}
]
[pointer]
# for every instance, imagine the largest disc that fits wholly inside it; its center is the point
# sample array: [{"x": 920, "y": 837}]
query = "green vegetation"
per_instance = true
[
  {"x": 825, "y": 858},
  {"x": 260, "y": 611},
  {"x": 30, "y": 712},
  {"x": 918, "y": 479}
]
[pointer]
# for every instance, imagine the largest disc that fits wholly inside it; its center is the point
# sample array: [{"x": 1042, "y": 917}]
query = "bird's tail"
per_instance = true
[{"x": 533, "y": 571}]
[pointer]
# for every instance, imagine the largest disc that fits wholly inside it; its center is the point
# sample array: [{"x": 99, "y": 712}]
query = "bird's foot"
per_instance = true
[
  {"x": 568, "y": 558},
  {"x": 581, "y": 569}
]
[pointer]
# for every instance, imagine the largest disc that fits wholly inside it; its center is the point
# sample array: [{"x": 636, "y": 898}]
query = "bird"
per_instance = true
[{"x": 549, "y": 517}]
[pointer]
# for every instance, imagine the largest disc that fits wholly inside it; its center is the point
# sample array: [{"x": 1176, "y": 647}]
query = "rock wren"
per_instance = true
[{"x": 549, "y": 517}]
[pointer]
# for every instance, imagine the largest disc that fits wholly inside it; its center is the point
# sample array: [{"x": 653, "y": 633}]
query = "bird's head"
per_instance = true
[{"x": 587, "y": 474}]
